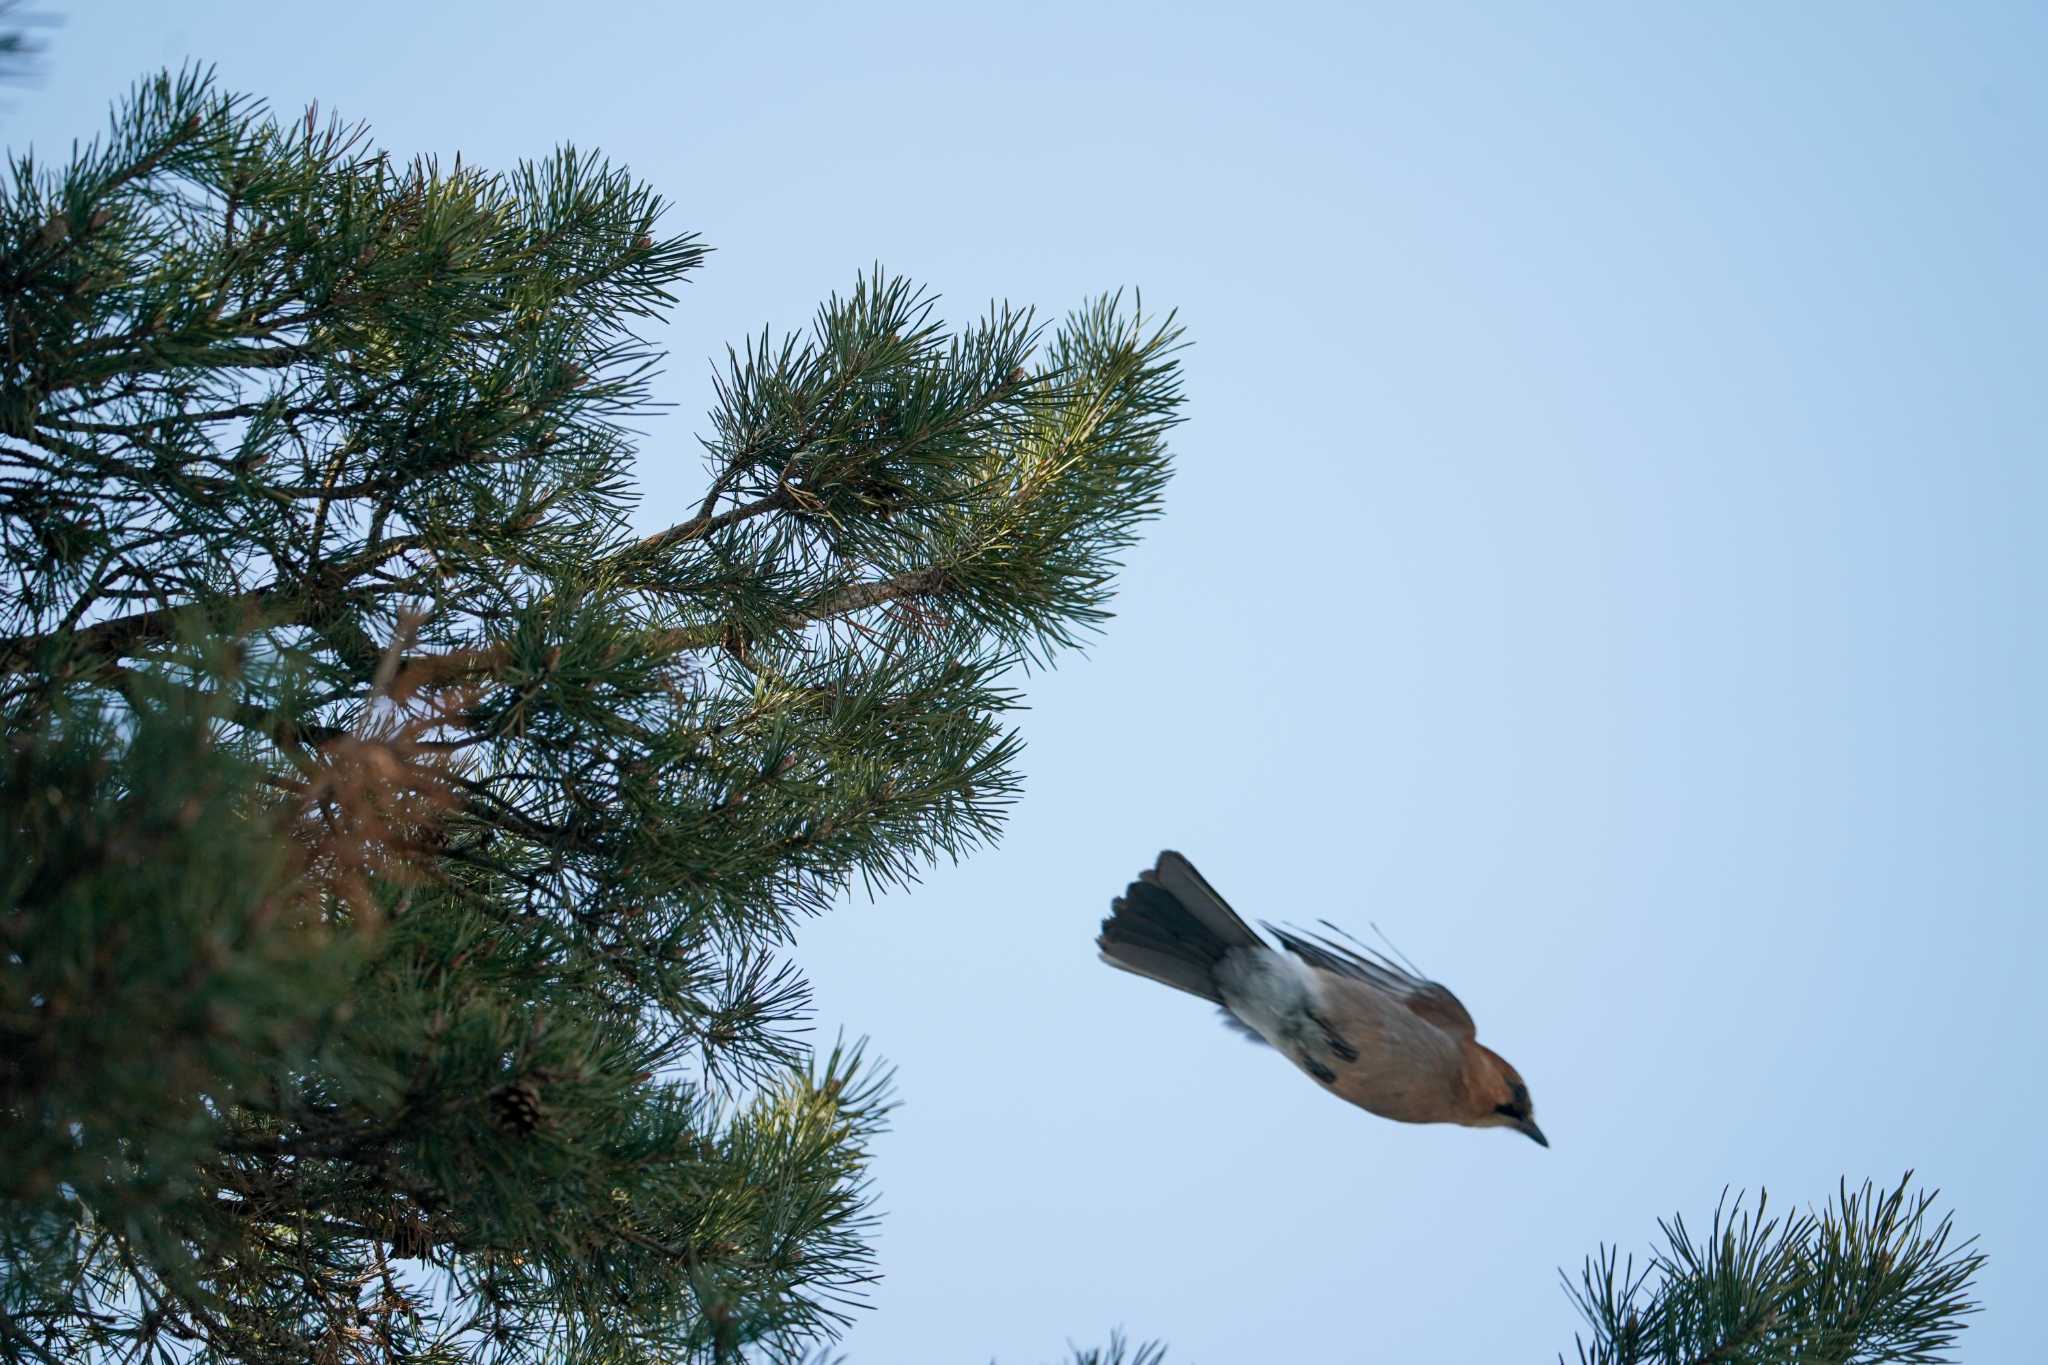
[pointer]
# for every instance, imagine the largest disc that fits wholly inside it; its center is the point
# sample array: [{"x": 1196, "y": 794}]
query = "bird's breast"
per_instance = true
[{"x": 1363, "y": 1046}]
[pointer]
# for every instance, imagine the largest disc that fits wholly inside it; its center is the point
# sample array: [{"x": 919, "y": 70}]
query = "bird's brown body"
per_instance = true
[{"x": 1364, "y": 1029}]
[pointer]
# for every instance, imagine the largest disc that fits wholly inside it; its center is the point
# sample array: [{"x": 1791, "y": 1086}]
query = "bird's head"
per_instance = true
[{"x": 1500, "y": 1099}]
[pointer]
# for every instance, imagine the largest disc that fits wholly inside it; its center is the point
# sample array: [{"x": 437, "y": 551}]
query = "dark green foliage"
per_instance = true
[
  {"x": 1871, "y": 1277},
  {"x": 223, "y": 987},
  {"x": 398, "y": 850}
]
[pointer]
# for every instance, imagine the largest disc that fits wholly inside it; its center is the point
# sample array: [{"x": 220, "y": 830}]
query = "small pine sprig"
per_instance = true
[{"x": 1873, "y": 1276}]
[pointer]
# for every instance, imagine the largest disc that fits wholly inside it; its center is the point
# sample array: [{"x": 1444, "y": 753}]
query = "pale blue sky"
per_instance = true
[{"x": 1604, "y": 552}]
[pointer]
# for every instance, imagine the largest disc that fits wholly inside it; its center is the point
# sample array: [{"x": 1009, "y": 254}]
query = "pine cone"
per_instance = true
[
  {"x": 515, "y": 1107},
  {"x": 411, "y": 1240}
]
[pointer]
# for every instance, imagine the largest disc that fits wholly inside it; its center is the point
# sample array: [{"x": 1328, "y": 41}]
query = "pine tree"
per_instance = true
[{"x": 397, "y": 847}]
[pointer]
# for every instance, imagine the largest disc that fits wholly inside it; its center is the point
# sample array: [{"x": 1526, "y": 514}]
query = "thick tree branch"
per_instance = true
[
  {"x": 273, "y": 603},
  {"x": 703, "y": 524},
  {"x": 842, "y": 602}
]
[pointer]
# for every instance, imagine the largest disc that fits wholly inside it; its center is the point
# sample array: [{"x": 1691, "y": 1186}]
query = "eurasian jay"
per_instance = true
[{"x": 1365, "y": 1029}]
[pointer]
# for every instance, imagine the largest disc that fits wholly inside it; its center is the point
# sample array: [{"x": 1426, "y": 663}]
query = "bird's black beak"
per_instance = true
[{"x": 1527, "y": 1128}]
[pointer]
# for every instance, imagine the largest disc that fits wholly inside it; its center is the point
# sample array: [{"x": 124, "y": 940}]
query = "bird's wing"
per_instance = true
[{"x": 1428, "y": 1000}]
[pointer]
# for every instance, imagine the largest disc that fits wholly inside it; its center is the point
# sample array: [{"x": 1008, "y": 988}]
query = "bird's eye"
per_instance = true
[{"x": 1507, "y": 1111}]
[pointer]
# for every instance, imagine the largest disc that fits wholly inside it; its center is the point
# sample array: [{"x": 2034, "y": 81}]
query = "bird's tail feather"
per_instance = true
[{"x": 1171, "y": 926}]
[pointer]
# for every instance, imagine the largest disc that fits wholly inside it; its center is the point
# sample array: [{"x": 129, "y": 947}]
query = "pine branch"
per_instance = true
[
  {"x": 1120, "y": 1352},
  {"x": 109, "y": 640},
  {"x": 1870, "y": 1277},
  {"x": 444, "y": 838}
]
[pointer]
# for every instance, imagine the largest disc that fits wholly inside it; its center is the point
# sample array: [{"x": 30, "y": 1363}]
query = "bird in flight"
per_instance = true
[{"x": 1366, "y": 1029}]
